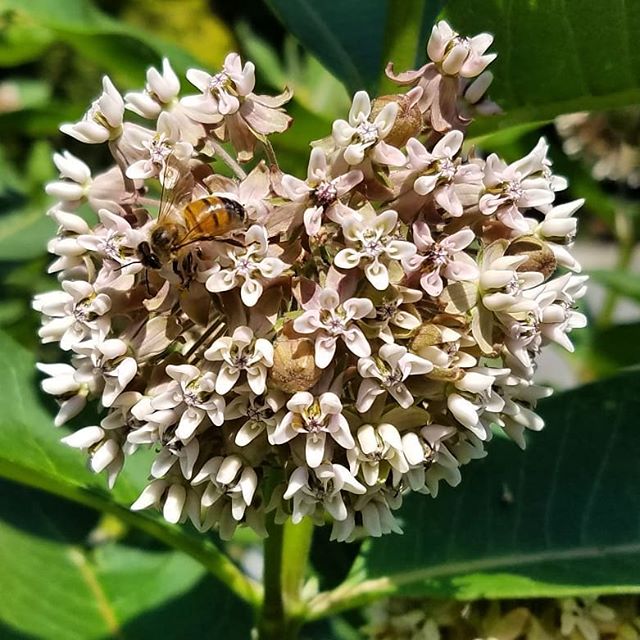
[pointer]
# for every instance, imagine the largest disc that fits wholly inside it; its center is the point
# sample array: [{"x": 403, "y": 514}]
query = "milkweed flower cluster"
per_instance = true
[
  {"x": 361, "y": 335},
  {"x": 586, "y": 618}
]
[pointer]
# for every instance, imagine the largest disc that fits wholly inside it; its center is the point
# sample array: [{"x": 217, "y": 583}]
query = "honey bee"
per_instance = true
[{"x": 191, "y": 221}]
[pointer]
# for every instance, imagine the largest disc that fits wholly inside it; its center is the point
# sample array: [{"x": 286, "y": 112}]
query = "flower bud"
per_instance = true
[
  {"x": 428, "y": 335},
  {"x": 294, "y": 368},
  {"x": 478, "y": 88},
  {"x": 540, "y": 258},
  {"x": 408, "y": 122}
]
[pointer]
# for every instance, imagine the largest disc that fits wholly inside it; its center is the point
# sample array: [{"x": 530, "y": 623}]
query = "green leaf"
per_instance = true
[
  {"x": 25, "y": 229},
  {"x": 350, "y": 38},
  {"x": 611, "y": 348},
  {"x": 24, "y": 233},
  {"x": 345, "y": 37},
  {"x": 22, "y": 39},
  {"x": 621, "y": 282},
  {"x": 560, "y": 518},
  {"x": 30, "y": 453},
  {"x": 404, "y": 36},
  {"x": 56, "y": 585},
  {"x": 117, "y": 47},
  {"x": 555, "y": 56}
]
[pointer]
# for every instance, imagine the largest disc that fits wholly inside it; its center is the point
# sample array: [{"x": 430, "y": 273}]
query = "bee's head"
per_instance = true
[{"x": 148, "y": 258}]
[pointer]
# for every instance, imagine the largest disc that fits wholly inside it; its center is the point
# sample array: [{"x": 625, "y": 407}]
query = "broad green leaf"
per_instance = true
[
  {"x": 611, "y": 348},
  {"x": 313, "y": 86},
  {"x": 621, "y": 282},
  {"x": 56, "y": 585},
  {"x": 30, "y": 453},
  {"x": 22, "y": 39},
  {"x": 348, "y": 37},
  {"x": 25, "y": 227},
  {"x": 555, "y": 56},
  {"x": 24, "y": 233},
  {"x": 405, "y": 35},
  {"x": 560, "y": 518}
]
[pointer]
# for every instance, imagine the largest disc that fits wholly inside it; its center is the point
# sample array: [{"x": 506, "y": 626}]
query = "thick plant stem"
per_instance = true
[
  {"x": 296, "y": 547},
  {"x": 626, "y": 244},
  {"x": 286, "y": 552}
]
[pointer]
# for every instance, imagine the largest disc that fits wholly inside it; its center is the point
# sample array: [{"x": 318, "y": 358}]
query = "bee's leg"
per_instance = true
[
  {"x": 182, "y": 268},
  {"x": 175, "y": 265},
  {"x": 146, "y": 281},
  {"x": 187, "y": 263}
]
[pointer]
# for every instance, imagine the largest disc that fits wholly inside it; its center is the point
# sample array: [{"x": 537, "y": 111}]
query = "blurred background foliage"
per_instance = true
[{"x": 52, "y": 56}]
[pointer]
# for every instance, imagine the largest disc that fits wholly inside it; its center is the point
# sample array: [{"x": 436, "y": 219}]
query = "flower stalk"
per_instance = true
[{"x": 286, "y": 554}]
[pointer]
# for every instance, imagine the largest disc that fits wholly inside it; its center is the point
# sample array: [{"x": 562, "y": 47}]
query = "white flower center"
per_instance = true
[
  {"x": 437, "y": 256},
  {"x": 325, "y": 193},
  {"x": 372, "y": 244},
  {"x": 245, "y": 266},
  {"x": 387, "y": 310},
  {"x": 460, "y": 40},
  {"x": 446, "y": 168},
  {"x": 193, "y": 395},
  {"x": 111, "y": 245},
  {"x": 240, "y": 360},
  {"x": 333, "y": 322},
  {"x": 513, "y": 191},
  {"x": 391, "y": 377},
  {"x": 366, "y": 133},
  {"x": 218, "y": 83},
  {"x": 158, "y": 149},
  {"x": 82, "y": 311},
  {"x": 258, "y": 414},
  {"x": 513, "y": 286}
]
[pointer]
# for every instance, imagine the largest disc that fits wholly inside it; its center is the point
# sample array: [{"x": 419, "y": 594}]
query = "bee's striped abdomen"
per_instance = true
[{"x": 213, "y": 216}]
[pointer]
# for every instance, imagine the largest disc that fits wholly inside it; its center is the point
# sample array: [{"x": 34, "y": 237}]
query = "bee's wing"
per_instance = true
[
  {"x": 196, "y": 234},
  {"x": 177, "y": 184}
]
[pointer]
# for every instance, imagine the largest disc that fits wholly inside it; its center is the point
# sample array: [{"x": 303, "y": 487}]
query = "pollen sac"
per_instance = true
[{"x": 294, "y": 367}]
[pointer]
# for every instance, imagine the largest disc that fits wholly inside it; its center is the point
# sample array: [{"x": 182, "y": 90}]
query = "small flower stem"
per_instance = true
[
  {"x": 222, "y": 153},
  {"x": 271, "y": 154}
]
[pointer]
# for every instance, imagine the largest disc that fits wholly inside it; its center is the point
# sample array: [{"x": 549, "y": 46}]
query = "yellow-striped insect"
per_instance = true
[{"x": 183, "y": 221}]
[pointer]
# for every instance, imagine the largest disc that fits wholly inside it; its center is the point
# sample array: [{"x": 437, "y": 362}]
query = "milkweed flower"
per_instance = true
[{"x": 355, "y": 333}]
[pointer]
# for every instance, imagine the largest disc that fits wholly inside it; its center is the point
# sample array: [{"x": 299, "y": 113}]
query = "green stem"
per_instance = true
[
  {"x": 296, "y": 548},
  {"x": 272, "y": 623},
  {"x": 286, "y": 552},
  {"x": 401, "y": 38},
  {"x": 624, "y": 228}
]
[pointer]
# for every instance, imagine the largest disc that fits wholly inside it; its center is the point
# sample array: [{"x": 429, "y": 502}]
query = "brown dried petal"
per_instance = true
[{"x": 540, "y": 257}]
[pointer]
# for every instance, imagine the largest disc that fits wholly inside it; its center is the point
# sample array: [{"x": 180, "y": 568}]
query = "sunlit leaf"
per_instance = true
[
  {"x": 555, "y": 56},
  {"x": 57, "y": 585},
  {"x": 30, "y": 453}
]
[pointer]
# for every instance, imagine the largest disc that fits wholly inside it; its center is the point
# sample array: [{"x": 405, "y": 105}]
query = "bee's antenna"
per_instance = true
[{"x": 122, "y": 266}]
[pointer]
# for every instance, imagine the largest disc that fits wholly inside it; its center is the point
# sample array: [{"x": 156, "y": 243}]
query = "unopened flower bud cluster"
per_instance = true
[
  {"x": 585, "y": 618},
  {"x": 358, "y": 338}
]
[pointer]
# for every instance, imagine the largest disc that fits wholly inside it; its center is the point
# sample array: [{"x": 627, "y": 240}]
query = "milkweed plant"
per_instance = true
[{"x": 364, "y": 334}]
